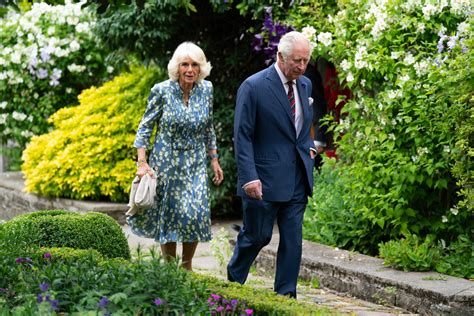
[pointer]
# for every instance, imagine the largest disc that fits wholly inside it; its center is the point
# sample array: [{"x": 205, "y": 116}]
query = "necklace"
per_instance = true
[{"x": 185, "y": 99}]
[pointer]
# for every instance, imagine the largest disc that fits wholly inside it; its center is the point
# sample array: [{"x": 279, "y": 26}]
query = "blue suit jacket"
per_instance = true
[{"x": 265, "y": 142}]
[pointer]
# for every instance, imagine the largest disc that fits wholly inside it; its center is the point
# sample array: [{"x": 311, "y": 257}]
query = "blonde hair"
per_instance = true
[{"x": 191, "y": 50}]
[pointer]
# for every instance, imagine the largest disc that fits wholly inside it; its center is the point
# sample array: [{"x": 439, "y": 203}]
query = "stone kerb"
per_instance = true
[
  {"x": 13, "y": 201},
  {"x": 364, "y": 277}
]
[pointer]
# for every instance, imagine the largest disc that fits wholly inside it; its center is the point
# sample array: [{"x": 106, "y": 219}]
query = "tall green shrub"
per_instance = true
[
  {"x": 47, "y": 56},
  {"x": 89, "y": 154},
  {"x": 405, "y": 155}
]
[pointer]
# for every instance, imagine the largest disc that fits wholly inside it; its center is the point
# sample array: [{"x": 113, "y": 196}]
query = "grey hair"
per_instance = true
[
  {"x": 191, "y": 50},
  {"x": 285, "y": 46}
]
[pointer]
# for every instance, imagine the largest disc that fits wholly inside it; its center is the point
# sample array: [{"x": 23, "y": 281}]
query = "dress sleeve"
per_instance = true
[
  {"x": 210, "y": 134},
  {"x": 152, "y": 115}
]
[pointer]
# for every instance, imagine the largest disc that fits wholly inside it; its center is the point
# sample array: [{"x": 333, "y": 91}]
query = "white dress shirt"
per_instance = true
[{"x": 298, "y": 109}]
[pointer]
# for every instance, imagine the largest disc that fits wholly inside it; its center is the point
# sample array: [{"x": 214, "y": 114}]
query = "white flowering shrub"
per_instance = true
[
  {"x": 405, "y": 155},
  {"x": 47, "y": 56}
]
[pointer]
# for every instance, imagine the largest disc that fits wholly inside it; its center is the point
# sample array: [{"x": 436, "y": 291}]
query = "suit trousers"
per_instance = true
[{"x": 258, "y": 219}]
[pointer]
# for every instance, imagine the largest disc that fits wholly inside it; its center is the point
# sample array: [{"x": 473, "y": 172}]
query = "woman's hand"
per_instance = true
[
  {"x": 143, "y": 169},
  {"x": 218, "y": 173}
]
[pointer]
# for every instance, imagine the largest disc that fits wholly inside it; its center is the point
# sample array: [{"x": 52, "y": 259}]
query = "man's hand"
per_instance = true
[{"x": 254, "y": 190}]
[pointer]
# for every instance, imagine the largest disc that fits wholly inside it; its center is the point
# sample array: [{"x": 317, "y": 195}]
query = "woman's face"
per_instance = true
[{"x": 188, "y": 71}]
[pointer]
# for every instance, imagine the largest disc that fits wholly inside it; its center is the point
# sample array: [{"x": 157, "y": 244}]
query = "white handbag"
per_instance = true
[{"x": 142, "y": 194}]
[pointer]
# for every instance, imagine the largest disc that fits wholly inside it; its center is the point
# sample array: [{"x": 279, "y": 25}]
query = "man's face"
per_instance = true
[{"x": 295, "y": 64}]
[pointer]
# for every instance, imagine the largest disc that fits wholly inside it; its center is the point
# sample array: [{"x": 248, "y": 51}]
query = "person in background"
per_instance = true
[
  {"x": 318, "y": 131},
  {"x": 274, "y": 154},
  {"x": 181, "y": 111}
]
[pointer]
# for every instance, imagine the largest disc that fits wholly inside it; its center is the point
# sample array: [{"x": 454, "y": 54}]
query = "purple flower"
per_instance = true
[
  {"x": 228, "y": 308},
  {"x": 44, "y": 287},
  {"x": 270, "y": 53},
  {"x": 440, "y": 47},
  {"x": 3, "y": 290},
  {"x": 23, "y": 260},
  {"x": 55, "y": 77},
  {"x": 103, "y": 302},
  {"x": 215, "y": 296},
  {"x": 45, "y": 53},
  {"x": 54, "y": 304},
  {"x": 234, "y": 302},
  {"x": 280, "y": 30},
  {"x": 267, "y": 22},
  {"x": 257, "y": 42},
  {"x": 219, "y": 309},
  {"x": 41, "y": 73},
  {"x": 248, "y": 311},
  {"x": 158, "y": 301},
  {"x": 33, "y": 61},
  {"x": 452, "y": 42},
  {"x": 47, "y": 255}
]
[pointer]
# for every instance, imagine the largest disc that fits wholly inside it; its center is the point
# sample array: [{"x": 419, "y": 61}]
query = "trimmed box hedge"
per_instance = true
[{"x": 58, "y": 228}]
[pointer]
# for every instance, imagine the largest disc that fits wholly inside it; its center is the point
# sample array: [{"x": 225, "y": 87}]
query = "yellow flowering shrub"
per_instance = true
[{"x": 89, "y": 154}]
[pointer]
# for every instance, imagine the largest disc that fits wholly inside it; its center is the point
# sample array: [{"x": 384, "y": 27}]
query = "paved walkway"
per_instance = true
[{"x": 206, "y": 262}]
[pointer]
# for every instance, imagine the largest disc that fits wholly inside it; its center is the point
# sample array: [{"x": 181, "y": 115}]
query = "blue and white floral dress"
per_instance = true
[{"x": 184, "y": 133}]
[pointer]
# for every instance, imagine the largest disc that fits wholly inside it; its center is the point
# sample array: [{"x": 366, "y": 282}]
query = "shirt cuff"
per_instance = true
[
  {"x": 317, "y": 143},
  {"x": 248, "y": 183}
]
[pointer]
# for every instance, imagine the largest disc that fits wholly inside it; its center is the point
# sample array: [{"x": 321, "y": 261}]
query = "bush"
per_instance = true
[
  {"x": 90, "y": 154},
  {"x": 48, "y": 55},
  {"x": 68, "y": 229},
  {"x": 328, "y": 218},
  {"x": 413, "y": 254}
]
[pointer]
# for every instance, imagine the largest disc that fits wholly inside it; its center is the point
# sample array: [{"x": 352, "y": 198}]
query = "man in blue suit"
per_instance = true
[{"x": 274, "y": 153}]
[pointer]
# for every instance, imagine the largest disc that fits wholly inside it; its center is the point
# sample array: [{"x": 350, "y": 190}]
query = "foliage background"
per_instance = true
[{"x": 48, "y": 54}]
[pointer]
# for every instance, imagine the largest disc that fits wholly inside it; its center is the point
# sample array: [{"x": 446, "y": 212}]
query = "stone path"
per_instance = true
[{"x": 206, "y": 261}]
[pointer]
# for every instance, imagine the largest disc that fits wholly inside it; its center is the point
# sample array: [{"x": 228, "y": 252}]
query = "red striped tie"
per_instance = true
[{"x": 291, "y": 98}]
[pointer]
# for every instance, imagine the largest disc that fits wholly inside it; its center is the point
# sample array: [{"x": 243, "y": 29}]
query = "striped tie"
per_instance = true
[{"x": 291, "y": 98}]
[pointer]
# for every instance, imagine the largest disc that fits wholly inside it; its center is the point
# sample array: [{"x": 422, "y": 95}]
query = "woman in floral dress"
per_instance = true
[{"x": 181, "y": 110}]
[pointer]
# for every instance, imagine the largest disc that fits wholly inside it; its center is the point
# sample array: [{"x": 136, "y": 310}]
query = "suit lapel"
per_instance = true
[{"x": 276, "y": 86}]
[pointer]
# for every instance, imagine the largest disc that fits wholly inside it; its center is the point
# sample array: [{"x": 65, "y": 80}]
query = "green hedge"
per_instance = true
[
  {"x": 262, "y": 301},
  {"x": 58, "y": 228}
]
